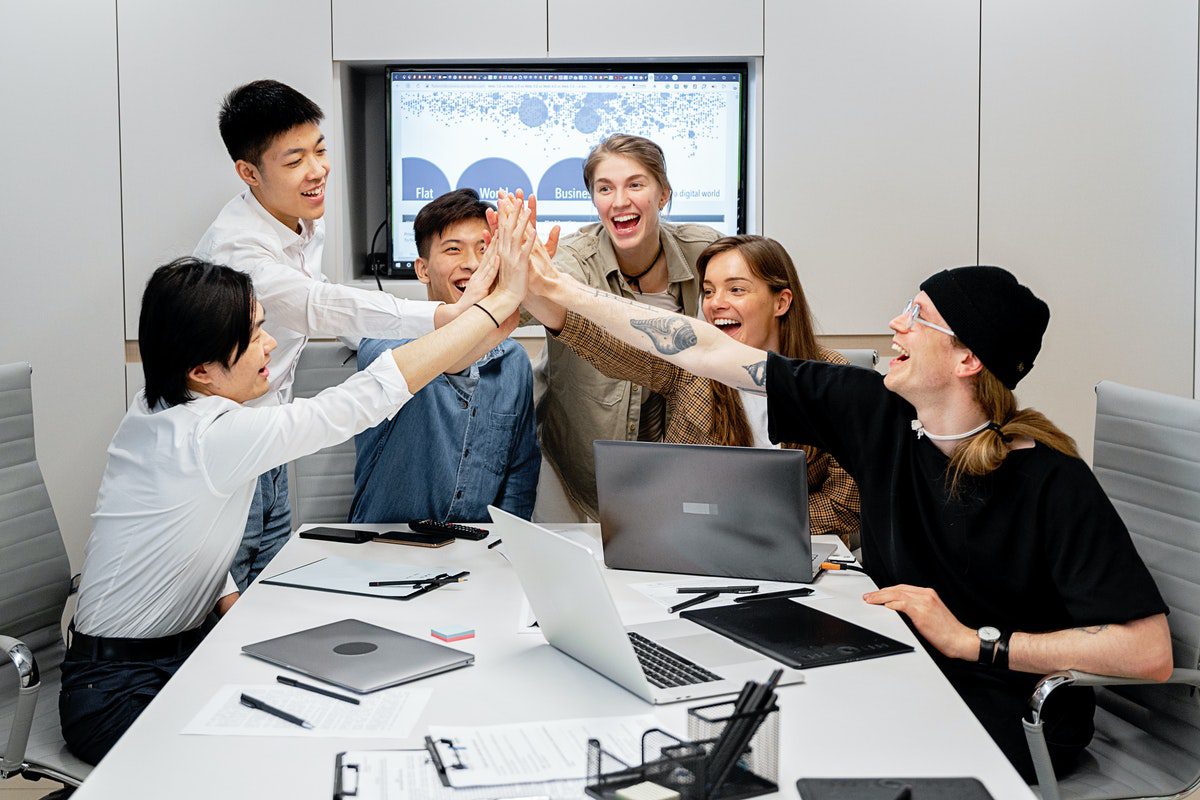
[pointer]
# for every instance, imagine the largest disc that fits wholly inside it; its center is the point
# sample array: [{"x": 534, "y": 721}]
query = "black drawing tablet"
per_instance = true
[{"x": 795, "y": 634}]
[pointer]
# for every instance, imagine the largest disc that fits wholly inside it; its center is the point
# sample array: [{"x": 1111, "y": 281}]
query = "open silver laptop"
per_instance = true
[
  {"x": 660, "y": 662},
  {"x": 740, "y": 512}
]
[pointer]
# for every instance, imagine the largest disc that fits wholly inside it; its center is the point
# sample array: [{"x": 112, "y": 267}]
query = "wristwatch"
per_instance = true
[{"x": 988, "y": 636}]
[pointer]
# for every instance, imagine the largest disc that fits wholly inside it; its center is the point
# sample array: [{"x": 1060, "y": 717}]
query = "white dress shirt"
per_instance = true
[
  {"x": 299, "y": 300},
  {"x": 177, "y": 487}
]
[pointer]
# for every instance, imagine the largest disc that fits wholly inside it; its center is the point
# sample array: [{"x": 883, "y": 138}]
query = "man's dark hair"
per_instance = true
[
  {"x": 193, "y": 312},
  {"x": 253, "y": 115},
  {"x": 437, "y": 215}
]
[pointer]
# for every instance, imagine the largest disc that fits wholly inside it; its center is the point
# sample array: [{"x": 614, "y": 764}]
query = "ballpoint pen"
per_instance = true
[
  {"x": 695, "y": 601},
  {"x": 831, "y": 566},
  {"x": 259, "y": 705},
  {"x": 286, "y": 681},
  {"x": 717, "y": 589},
  {"x": 429, "y": 587},
  {"x": 495, "y": 543},
  {"x": 802, "y": 592},
  {"x": 414, "y": 582}
]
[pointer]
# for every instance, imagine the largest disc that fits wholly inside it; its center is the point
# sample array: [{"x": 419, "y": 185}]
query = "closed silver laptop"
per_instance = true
[
  {"x": 660, "y": 662},
  {"x": 738, "y": 512},
  {"x": 359, "y": 656}
]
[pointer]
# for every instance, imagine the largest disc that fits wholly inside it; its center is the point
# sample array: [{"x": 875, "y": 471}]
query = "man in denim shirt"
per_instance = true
[{"x": 467, "y": 439}]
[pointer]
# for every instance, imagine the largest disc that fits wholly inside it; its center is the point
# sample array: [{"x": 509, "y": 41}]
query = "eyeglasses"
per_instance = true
[{"x": 912, "y": 313}]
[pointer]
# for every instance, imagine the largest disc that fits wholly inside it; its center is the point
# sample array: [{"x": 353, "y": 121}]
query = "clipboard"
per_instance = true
[{"x": 374, "y": 775}]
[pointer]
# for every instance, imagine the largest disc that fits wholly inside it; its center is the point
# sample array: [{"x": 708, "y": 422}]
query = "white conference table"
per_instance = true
[{"x": 894, "y": 716}]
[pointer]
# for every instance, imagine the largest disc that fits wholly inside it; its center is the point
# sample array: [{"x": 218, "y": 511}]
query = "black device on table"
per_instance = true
[
  {"x": 449, "y": 529},
  {"x": 415, "y": 539},
  {"x": 344, "y": 535}
]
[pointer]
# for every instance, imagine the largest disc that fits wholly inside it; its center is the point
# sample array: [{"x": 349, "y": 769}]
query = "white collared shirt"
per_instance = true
[
  {"x": 298, "y": 299},
  {"x": 177, "y": 487}
]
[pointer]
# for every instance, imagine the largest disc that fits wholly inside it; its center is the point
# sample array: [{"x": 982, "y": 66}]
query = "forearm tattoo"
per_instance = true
[
  {"x": 670, "y": 335},
  {"x": 758, "y": 373}
]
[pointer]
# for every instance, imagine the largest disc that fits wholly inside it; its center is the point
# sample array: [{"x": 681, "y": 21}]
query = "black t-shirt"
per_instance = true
[{"x": 1035, "y": 546}]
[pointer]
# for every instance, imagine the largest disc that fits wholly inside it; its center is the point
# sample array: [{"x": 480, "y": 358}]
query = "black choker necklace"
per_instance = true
[{"x": 635, "y": 280}]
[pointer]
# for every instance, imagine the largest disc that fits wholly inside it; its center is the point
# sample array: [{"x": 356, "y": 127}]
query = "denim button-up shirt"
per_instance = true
[{"x": 460, "y": 443}]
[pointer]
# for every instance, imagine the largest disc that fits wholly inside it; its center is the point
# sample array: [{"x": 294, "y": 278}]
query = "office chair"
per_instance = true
[
  {"x": 1147, "y": 742},
  {"x": 35, "y": 580},
  {"x": 321, "y": 485},
  {"x": 861, "y": 358}
]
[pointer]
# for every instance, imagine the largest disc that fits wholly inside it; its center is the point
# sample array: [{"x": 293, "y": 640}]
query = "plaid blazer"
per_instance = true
[{"x": 833, "y": 503}]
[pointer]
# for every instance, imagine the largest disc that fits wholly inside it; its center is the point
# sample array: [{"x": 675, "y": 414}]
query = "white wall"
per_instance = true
[{"x": 60, "y": 239}]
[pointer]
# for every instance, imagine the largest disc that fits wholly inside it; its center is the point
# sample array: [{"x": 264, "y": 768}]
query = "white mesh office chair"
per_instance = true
[
  {"x": 321, "y": 485},
  {"x": 35, "y": 579},
  {"x": 1147, "y": 742}
]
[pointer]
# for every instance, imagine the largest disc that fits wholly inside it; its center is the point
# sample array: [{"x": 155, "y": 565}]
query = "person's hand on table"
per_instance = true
[{"x": 929, "y": 615}]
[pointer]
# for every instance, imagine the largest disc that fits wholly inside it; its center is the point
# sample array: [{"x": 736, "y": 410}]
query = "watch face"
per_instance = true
[{"x": 989, "y": 634}]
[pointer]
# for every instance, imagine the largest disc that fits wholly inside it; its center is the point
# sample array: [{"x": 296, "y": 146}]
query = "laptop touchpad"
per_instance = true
[{"x": 709, "y": 649}]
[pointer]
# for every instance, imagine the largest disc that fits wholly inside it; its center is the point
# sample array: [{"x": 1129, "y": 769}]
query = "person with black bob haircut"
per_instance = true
[
  {"x": 184, "y": 463},
  {"x": 980, "y": 522},
  {"x": 274, "y": 231}
]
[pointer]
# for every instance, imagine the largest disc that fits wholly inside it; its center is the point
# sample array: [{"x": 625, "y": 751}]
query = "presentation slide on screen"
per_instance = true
[{"x": 506, "y": 131}]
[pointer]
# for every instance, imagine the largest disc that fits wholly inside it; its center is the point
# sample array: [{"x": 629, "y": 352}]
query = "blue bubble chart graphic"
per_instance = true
[
  {"x": 533, "y": 111},
  {"x": 563, "y": 181},
  {"x": 489, "y": 174},
  {"x": 421, "y": 180}
]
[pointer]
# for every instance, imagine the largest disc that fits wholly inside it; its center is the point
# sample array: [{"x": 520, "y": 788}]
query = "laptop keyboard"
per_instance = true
[{"x": 666, "y": 669}]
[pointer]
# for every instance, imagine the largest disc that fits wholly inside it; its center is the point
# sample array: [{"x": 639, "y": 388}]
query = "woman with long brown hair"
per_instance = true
[{"x": 750, "y": 291}]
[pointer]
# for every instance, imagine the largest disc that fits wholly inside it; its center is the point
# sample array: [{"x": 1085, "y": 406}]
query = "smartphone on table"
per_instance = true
[
  {"x": 413, "y": 538},
  {"x": 345, "y": 535}
]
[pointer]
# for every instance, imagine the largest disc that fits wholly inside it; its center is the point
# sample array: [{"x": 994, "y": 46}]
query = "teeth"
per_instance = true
[
  {"x": 315, "y": 192},
  {"x": 899, "y": 349},
  {"x": 625, "y": 218},
  {"x": 722, "y": 323},
  {"x": 460, "y": 285}
]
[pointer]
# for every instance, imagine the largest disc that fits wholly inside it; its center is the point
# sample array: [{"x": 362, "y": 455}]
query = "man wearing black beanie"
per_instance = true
[{"x": 979, "y": 519}]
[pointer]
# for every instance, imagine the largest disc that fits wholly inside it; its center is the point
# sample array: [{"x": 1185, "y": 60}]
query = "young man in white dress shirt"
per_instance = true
[
  {"x": 274, "y": 232},
  {"x": 184, "y": 464}
]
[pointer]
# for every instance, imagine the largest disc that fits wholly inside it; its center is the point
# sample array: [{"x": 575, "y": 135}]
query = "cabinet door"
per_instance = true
[
  {"x": 662, "y": 28},
  {"x": 870, "y": 149},
  {"x": 412, "y": 30},
  {"x": 1087, "y": 189},
  {"x": 176, "y": 63},
  {"x": 60, "y": 235}
]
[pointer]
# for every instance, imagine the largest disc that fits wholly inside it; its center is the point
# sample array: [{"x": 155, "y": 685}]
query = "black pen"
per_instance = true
[
  {"x": 695, "y": 601},
  {"x": 717, "y": 589},
  {"x": 429, "y": 587},
  {"x": 417, "y": 582},
  {"x": 495, "y": 543},
  {"x": 805, "y": 592},
  {"x": 286, "y": 681},
  {"x": 259, "y": 705}
]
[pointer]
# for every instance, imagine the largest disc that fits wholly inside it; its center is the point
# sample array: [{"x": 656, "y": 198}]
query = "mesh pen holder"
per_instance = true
[{"x": 695, "y": 769}]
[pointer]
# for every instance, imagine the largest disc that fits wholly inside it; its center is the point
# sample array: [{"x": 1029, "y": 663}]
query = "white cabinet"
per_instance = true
[
  {"x": 870, "y": 148},
  {"x": 60, "y": 236},
  {"x": 698, "y": 29},
  {"x": 412, "y": 30},
  {"x": 177, "y": 62},
  {"x": 1087, "y": 188}
]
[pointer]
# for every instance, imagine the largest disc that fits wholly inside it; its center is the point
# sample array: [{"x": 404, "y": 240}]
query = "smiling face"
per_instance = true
[
  {"x": 742, "y": 305},
  {"x": 628, "y": 199},
  {"x": 290, "y": 180},
  {"x": 246, "y": 378},
  {"x": 927, "y": 358},
  {"x": 454, "y": 255}
]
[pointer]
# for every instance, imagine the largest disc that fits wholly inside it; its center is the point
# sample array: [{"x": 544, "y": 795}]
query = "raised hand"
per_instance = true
[{"x": 514, "y": 242}]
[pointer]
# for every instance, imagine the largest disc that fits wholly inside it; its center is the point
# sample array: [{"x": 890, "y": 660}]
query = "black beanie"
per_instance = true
[{"x": 999, "y": 319}]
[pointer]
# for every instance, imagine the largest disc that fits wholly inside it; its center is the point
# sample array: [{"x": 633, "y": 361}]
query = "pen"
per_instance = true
[
  {"x": 286, "y": 681},
  {"x": 718, "y": 589},
  {"x": 429, "y": 587},
  {"x": 259, "y": 705},
  {"x": 417, "y": 582},
  {"x": 695, "y": 601},
  {"x": 805, "y": 592},
  {"x": 828, "y": 565},
  {"x": 493, "y": 544}
]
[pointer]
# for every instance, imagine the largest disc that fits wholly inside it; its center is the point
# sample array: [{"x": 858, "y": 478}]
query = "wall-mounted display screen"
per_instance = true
[{"x": 531, "y": 128}]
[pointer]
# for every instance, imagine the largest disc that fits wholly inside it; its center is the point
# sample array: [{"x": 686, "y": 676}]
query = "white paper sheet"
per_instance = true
[
  {"x": 664, "y": 592},
  {"x": 390, "y": 713},
  {"x": 537, "y": 751},
  {"x": 409, "y": 775},
  {"x": 351, "y": 576}
]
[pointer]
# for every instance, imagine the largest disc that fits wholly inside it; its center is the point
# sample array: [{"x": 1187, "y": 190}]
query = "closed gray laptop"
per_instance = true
[
  {"x": 358, "y": 656},
  {"x": 738, "y": 512}
]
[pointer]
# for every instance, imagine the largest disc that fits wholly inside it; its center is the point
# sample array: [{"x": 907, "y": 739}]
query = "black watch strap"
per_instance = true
[
  {"x": 986, "y": 652},
  {"x": 1001, "y": 659}
]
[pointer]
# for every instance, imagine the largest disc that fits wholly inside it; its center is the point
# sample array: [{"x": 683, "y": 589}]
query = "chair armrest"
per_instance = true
[
  {"x": 1034, "y": 735},
  {"x": 13, "y": 759}
]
